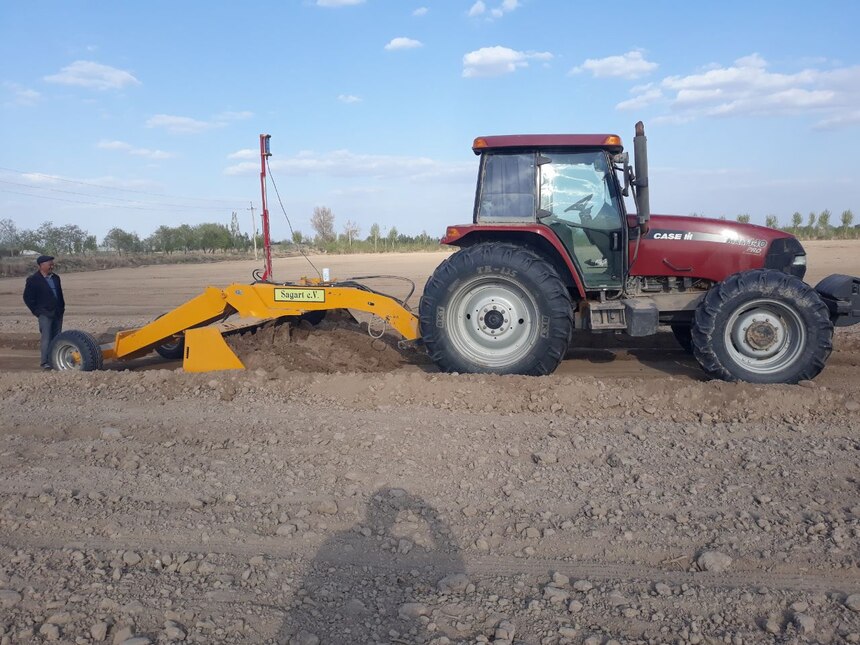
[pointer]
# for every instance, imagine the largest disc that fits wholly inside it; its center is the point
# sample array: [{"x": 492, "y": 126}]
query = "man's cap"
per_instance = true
[{"x": 44, "y": 258}]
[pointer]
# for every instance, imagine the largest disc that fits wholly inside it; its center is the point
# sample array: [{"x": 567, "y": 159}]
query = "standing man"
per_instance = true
[{"x": 43, "y": 296}]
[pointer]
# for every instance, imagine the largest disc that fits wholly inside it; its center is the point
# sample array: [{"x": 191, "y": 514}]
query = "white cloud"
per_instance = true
[
  {"x": 21, "y": 95},
  {"x": 244, "y": 153},
  {"x": 130, "y": 149},
  {"x": 480, "y": 9},
  {"x": 851, "y": 117},
  {"x": 642, "y": 98},
  {"x": 403, "y": 43},
  {"x": 495, "y": 61},
  {"x": 234, "y": 116},
  {"x": 186, "y": 125},
  {"x": 346, "y": 164},
  {"x": 748, "y": 88},
  {"x": 420, "y": 11},
  {"x": 506, "y": 7},
  {"x": 179, "y": 124},
  {"x": 85, "y": 73},
  {"x": 338, "y": 3},
  {"x": 629, "y": 65},
  {"x": 348, "y": 98}
]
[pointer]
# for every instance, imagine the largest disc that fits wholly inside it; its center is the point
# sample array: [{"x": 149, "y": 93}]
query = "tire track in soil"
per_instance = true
[{"x": 486, "y": 566}]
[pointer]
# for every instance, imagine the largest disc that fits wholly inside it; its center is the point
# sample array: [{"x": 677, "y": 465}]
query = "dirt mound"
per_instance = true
[{"x": 337, "y": 344}]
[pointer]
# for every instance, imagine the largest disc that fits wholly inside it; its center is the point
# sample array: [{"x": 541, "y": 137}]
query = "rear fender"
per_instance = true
[
  {"x": 841, "y": 294},
  {"x": 534, "y": 236}
]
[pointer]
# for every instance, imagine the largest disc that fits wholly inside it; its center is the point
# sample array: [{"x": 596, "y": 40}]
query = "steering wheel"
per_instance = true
[{"x": 580, "y": 205}]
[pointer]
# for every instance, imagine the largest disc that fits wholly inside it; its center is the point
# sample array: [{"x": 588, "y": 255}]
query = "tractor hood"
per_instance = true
[{"x": 713, "y": 249}]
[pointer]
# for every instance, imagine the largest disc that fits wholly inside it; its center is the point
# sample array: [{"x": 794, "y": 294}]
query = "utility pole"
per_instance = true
[{"x": 253, "y": 228}]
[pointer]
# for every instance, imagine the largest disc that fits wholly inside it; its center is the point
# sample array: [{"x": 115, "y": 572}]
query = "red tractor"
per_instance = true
[{"x": 551, "y": 249}]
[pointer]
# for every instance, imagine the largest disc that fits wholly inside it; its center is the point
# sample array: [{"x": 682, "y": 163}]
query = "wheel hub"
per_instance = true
[
  {"x": 761, "y": 335},
  {"x": 493, "y": 321}
]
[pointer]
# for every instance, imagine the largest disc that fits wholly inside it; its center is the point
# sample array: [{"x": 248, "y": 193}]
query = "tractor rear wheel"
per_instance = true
[
  {"x": 496, "y": 308},
  {"x": 762, "y": 326},
  {"x": 75, "y": 350}
]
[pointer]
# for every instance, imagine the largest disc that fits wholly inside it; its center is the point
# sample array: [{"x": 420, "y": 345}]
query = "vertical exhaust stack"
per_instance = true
[{"x": 640, "y": 182}]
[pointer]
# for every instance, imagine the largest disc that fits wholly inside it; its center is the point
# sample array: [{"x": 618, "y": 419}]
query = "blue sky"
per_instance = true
[{"x": 138, "y": 114}]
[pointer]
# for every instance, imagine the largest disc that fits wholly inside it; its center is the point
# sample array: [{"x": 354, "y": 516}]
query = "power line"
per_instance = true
[
  {"x": 72, "y": 192},
  {"x": 124, "y": 190},
  {"x": 103, "y": 204}
]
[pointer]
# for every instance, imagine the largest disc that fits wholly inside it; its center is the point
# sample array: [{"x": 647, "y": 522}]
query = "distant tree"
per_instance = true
[
  {"x": 211, "y": 237},
  {"x": 392, "y": 236},
  {"x": 796, "y": 220},
  {"x": 72, "y": 239},
  {"x": 185, "y": 238},
  {"x": 374, "y": 235},
  {"x": 824, "y": 223},
  {"x": 322, "y": 221},
  {"x": 165, "y": 240},
  {"x": 810, "y": 222},
  {"x": 29, "y": 240},
  {"x": 847, "y": 219},
  {"x": 298, "y": 237},
  {"x": 744, "y": 218},
  {"x": 122, "y": 241},
  {"x": 50, "y": 238},
  {"x": 771, "y": 221},
  {"x": 10, "y": 239},
  {"x": 351, "y": 230}
]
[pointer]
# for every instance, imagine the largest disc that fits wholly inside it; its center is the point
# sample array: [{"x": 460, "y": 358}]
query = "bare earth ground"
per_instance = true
[{"x": 343, "y": 491}]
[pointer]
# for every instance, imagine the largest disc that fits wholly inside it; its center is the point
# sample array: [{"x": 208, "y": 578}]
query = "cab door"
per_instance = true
[{"x": 579, "y": 201}]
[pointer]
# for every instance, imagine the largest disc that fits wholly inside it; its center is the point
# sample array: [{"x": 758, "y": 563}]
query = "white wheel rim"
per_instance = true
[
  {"x": 765, "y": 336},
  {"x": 493, "y": 322}
]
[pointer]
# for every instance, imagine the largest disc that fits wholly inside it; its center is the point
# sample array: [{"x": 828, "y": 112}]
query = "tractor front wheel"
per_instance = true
[
  {"x": 496, "y": 308},
  {"x": 762, "y": 326},
  {"x": 75, "y": 350}
]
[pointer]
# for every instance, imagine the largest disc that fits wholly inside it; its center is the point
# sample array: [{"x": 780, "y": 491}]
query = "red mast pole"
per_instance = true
[{"x": 267, "y": 241}]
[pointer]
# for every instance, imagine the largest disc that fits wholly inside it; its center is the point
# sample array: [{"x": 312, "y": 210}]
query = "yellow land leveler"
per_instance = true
[{"x": 195, "y": 331}]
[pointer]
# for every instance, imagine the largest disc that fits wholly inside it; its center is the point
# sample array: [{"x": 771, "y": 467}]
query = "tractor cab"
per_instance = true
[{"x": 567, "y": 190}]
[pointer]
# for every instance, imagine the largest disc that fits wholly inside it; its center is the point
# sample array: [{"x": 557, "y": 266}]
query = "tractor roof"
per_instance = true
[{"x": 610, "y": 142}]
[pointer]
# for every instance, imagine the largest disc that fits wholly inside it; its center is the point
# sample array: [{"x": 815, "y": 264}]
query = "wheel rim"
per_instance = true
[
  {"x": 67, "y": 357},
  {"x": 765, "y": 336},
  {"x": 493, "y": 323}
]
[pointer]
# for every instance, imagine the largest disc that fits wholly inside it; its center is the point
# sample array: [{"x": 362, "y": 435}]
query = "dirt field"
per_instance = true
[{"x": 349, "y": 493}]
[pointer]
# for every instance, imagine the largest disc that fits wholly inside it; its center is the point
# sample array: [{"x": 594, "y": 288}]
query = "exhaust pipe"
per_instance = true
[{"x": 640, "y": 181}]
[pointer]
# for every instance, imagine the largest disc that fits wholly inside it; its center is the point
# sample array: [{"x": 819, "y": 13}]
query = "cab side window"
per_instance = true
[{"x": 508, "y": 189}]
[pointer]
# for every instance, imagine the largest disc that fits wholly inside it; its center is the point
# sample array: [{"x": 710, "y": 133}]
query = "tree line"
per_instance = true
[
  {"x": 211, "y": 237},
  {"x": 72, "y": 240},
  {"x": 815, "y": 226},
  {"x": 349, "y": 240}
]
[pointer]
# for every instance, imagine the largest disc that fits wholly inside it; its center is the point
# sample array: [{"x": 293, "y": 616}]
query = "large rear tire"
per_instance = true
[
  {"x": 762, "y": 326},
  {"x": 75, "y": 350},
  {"x": 496, "y": 308}
]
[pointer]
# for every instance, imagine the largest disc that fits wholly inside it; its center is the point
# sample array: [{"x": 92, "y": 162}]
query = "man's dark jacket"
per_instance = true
[{"x": 40, "y": 299}]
